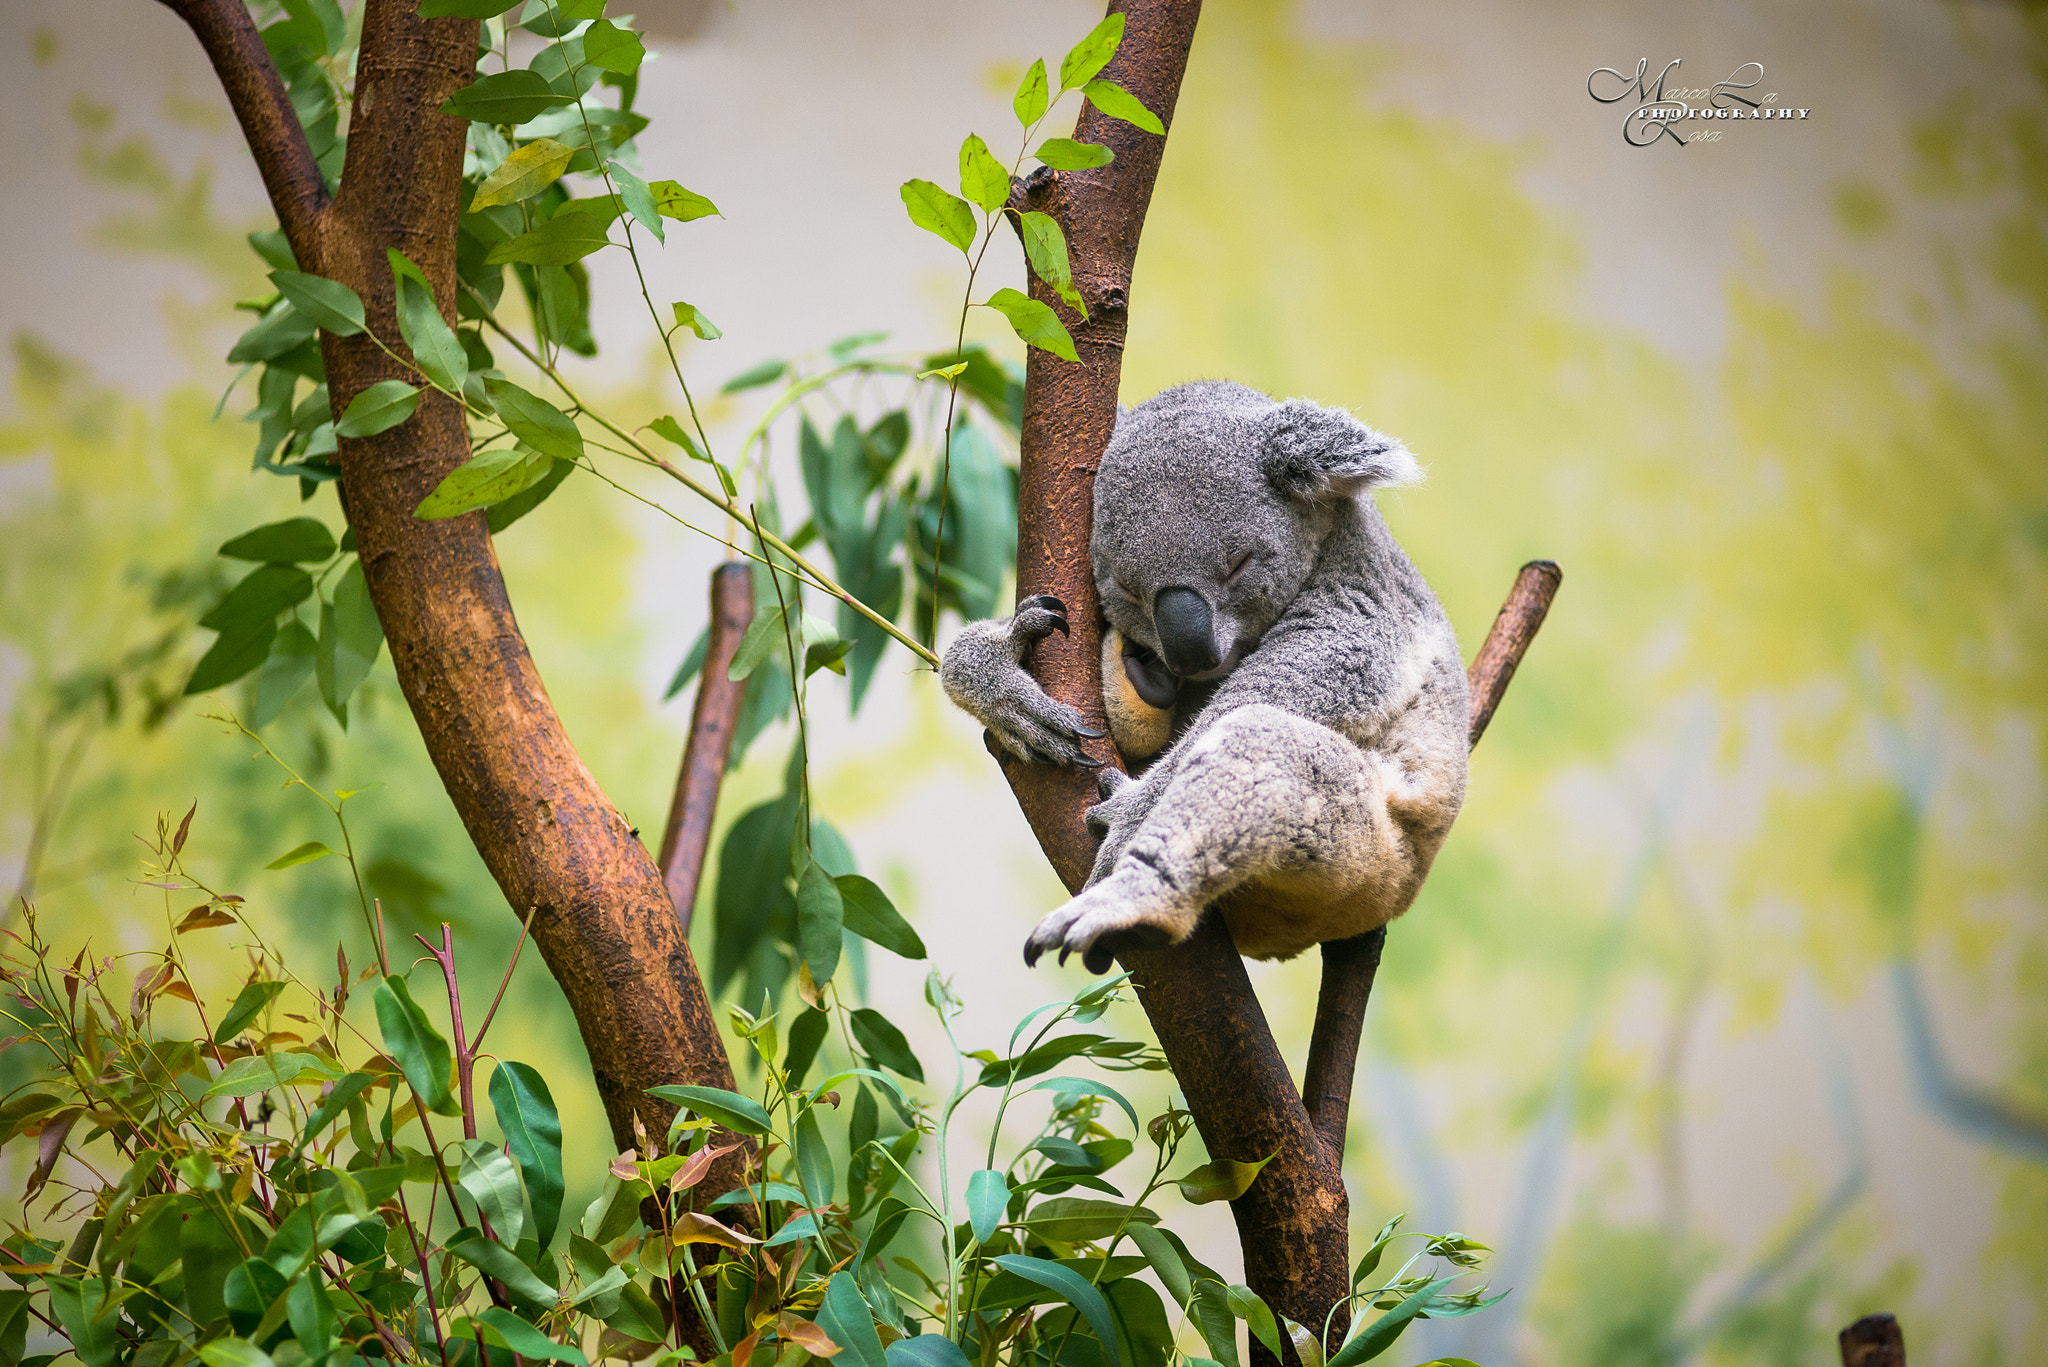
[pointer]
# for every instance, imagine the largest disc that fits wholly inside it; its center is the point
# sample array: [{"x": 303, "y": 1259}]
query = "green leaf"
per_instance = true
[
  {"x": 937, "y": 211},
  {"x": 1092, "y": 53},
  {"x": 274, "y": 248},
  {"x": 345, "y": 1091},
  {"x": 673, "y": 201},
  {"x": 607, "y": 45},
  {"x": 262, "y": 594},
  {"x": 253, "y": 997},
  {"x": 1247, "y": 1305},
  {"x": 264, "y": 1072},
  {"x": 233, "y": 1353},
  {"x": 1034, "y": 322},
  {"x": 524, "y": 173},
  {"x": 350, "y": 639},
  {"x": 294, "y": 654},
  {"x": 1071, "y": 1286},
  {"x": 435, "y": 347},
  {"x": 297, "y": 539},
  {"x": 871, "y": 915},
  {"x": 250, "y": 1290},
  {"x": 554, "y": 18},
  {"x": 233, "y": 655},
  {"x": 300, "y": 854},
  {"x": 691, "y": 317},
  {"x": 819, "y": 918},
  {"x": 1046, "y": 248},
  {"x": 846, "y": 1319},
  {"x": 379, "y": 408},
  {"x": 806, "y": 1035},
  {"x": 884, "y": 1043},
  {"x": 988, "y": 1195},
  {"x": 767, "y": 372},
  {"x": 415, "y": 1045},
  {"x": 813, "y": 1158},
  {"x": 491, "y": 1178},
  {"x": 1064, "y": 154},
  {"x": 1220, "y": 1180},
  {"x": 1030, "y": 99},
  {"x": 1164, "y": 1258},
  {"x": 764, "y": 638},
  {"x": 495, "y": 1260},
  {"x": 526, "y": 1114},
  {"x": 329, "y": 303},
  {"x": 982, "y": 178},
  {"x": 638, "y": 199},
  {"x": 484, "y": 479},
  {"x": 534, "y": 420},
  {"x": 741, "y": 1115},
  {"x": 1379, "y": 1336},
  {"x": 279, "y": 330},
  {"x": 569, "y": 236},
  {"x": 1071, "y": 1219},
  {"x": 509, "y": 97},
  {"x": 527, "y": 1341},
  {"x": 504, "y": 514},
  {"x": 1119, "y": 103},
  {"x": 464, "y": 9},
  {"x": 928, "y": 1350}
]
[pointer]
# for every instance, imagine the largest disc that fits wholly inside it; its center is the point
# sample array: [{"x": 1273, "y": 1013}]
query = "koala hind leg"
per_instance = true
[{"x": 1261, "y": 803}]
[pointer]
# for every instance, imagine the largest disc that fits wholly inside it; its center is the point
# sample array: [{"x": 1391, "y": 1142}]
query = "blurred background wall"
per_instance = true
[{"x": 1725, "y": 1016}]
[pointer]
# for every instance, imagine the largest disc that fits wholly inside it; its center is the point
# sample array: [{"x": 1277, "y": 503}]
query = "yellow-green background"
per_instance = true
[{"x": 1722, "y": 1017}]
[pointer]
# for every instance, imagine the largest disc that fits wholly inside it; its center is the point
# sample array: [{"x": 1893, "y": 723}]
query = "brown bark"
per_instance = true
[
  {"x": 687, "y": 837},
  {"x": 1292, "y": 1223},
  {"x": 1873, "y": 1341},
  {"x": 1513, "y": 628},
  {"x": 602, "y": 917}
]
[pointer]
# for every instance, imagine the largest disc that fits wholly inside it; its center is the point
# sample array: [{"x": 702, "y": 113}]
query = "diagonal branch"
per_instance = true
[
  {"x": 292, "y": 179},
  {"x": 713, "y": 719}
]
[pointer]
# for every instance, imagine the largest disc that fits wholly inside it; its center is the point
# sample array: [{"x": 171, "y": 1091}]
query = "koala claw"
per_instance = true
[
  {"x": 1097, "y": 928},
  {"x": 1090, "y": 732},
  {"x": 1035, "y": 620}
]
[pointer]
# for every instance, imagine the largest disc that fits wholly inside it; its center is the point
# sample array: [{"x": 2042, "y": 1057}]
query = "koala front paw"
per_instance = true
[
  {"x": 983, "y": 673},
  {"x": 1037, "y": 618},
  {"x": 1102, "y": 923}
]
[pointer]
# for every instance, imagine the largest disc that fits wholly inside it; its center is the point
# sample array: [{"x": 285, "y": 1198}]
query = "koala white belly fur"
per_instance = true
[{"x": 1306, "y": 735}]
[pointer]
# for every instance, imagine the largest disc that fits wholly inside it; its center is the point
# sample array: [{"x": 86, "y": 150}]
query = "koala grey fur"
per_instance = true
[{"x": 1300, "y": 676}]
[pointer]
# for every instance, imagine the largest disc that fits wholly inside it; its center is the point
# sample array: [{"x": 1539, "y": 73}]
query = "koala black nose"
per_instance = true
[{"x": 1187, "y": 631}]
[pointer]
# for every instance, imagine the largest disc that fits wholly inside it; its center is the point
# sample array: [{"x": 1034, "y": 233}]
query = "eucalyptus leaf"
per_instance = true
[
  {"x": 415, "y": 1045},
  {"x": 524, "y": 173},
  {"x": 533, "y": 1130},
  {"x": 870, "y": 914},
  {"x": 1064, "y": 154},
  {"x": 740, "y": 1114},
  {"x": 938, "y": 211},
  {"x": 1034, "y": 322},
  {"x": 884, "y": 1043},
  {"x": 486, "y": 478},
  {"x": 248, "y": 1003},
  {"x": 534, "y": 420},
  {"x": 508, "y": 97},
  {"x": 607, "y": 45},
  {"x": 982, "y": 178},
  {"x": 567, "y": 237},
  {"x": 988, "y": 1195},
  {"x": 295, "y": 540},
  {"x": 381, "y": 407},
  {"x": 329, "y": 303},
  {"x": 1092, "y": 53},
  {"x": 820, "y": 916},
  {"x": 684, "y": 205},
  {"x": 1030, "y": 99},
  {"x": 1119, "y": 103}
]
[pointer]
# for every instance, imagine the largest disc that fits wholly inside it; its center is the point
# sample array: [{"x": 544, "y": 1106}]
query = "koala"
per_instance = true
[{"x": 1283, "y": 683}]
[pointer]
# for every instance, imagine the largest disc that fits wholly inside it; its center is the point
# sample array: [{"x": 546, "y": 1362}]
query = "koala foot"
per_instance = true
[{"x": 1104, "y": 921}]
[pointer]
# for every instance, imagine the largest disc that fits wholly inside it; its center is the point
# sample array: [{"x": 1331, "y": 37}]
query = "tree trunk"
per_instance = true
[{"x": 601, "y": 915}]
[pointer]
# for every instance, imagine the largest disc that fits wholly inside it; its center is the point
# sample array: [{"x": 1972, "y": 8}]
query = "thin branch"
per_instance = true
[
  {"x": 687, "y": 837},
  {"x": 292, "y": 179}
]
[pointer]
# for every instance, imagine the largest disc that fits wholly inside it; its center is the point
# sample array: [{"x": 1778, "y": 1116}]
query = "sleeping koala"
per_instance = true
[{"x": 1276, "y": 657}]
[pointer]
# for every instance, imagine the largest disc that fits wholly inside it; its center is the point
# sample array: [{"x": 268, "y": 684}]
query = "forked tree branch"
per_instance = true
[
  {"x": 1292, "y": 1223},
  {"x": 292, "y": 179},
  {"x": 601, "y": 914}
]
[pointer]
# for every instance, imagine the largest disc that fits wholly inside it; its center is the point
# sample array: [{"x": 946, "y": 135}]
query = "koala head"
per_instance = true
[{"x": 1211, "y": 508}]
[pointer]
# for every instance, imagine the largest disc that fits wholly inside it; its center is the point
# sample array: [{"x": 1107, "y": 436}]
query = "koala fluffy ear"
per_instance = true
[{"x": 1312, "y": 452}]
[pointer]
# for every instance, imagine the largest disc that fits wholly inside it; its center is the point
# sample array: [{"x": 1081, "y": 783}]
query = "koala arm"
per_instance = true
[{"x": 983, "y": 673}]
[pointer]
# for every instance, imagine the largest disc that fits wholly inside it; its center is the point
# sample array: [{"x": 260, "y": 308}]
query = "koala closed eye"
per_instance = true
[{"x": 1237, "y": 567}]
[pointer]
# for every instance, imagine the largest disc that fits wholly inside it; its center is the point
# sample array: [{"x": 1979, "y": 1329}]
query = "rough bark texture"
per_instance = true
[
  {"x": 1493, "y": 668},
  {"x": 601, "y": 914},
  {"x": 1292, "y": 1224},
  {"x": 687, "y": 837},
  {"x": 1873, "y": 1341}
]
